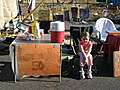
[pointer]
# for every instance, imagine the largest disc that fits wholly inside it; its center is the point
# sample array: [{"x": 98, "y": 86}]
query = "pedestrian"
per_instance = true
[
  {"x": 85, "y": 47},
  {"x": 31, "y": 7}
]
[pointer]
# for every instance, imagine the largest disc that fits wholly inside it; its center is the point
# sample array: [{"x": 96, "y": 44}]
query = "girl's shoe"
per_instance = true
[
  {"x": 89, "y": 74},
  {"x": 82, "y": 74}
]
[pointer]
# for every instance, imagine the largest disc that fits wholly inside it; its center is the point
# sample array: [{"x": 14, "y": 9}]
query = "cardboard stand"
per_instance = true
[{"x": 41, "y": 58}]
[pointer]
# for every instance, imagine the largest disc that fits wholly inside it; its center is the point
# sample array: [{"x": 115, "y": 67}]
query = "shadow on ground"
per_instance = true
[
  {"x": 6, "y": 73},
  {"x": 104, "y": 69}
]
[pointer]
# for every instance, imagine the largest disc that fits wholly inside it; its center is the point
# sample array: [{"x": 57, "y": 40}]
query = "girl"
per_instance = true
[{"x": 85, "y": 47}]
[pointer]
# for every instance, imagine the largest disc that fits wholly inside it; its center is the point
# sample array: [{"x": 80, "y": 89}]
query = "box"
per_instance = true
[{"x": 35, "y": 29}]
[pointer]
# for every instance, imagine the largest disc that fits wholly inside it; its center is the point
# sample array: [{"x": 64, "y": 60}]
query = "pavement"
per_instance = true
[{"x": 104, "y": 80}]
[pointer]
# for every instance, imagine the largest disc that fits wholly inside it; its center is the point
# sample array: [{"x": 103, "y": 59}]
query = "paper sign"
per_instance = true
[{"x": 38, "y": 59}]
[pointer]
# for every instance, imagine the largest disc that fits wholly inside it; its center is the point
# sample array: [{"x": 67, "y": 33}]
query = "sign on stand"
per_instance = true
[{"x": 38, "y": 59}]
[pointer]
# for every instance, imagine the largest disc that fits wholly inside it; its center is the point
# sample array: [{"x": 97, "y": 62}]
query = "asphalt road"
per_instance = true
[{"x": 103, "y": 81}]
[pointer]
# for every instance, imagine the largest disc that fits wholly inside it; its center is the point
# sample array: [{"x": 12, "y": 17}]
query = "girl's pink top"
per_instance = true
[{"x": 85, "y": 47}]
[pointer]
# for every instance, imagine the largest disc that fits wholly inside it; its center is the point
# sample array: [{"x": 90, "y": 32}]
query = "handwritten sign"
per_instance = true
[{"x": 40, "y": 59}]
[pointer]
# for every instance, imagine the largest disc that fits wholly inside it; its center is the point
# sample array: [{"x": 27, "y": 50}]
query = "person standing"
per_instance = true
[{"x": 31, "y": 7}]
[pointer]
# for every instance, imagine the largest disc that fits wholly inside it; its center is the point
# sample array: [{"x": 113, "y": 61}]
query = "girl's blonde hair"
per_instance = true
[{"x": 86, "y": 34}]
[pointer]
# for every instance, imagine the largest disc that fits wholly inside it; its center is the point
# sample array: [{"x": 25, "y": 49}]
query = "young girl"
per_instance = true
[{"x": 85, "y": 47}]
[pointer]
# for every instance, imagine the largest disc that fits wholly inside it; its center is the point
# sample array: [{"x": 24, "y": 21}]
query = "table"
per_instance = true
[
  {"x": 113, "y": 45},
  {"x": 113, "y": 32},
  {"x": 113, "y": 50},
  {"x": 37, "y": 57}
]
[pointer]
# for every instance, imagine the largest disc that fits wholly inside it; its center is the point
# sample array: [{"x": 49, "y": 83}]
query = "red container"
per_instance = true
[
  {"x": 30, "y": 29},
  {"x": 57, "y": 36}
]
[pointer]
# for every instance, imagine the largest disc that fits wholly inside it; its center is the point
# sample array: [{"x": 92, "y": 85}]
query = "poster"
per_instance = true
[
  {"x": 74, "y": 13},
  {"x": 38, "y": 59},
  {"x": 44, "y": 15},
  {"x": 66, "y": 15}
]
